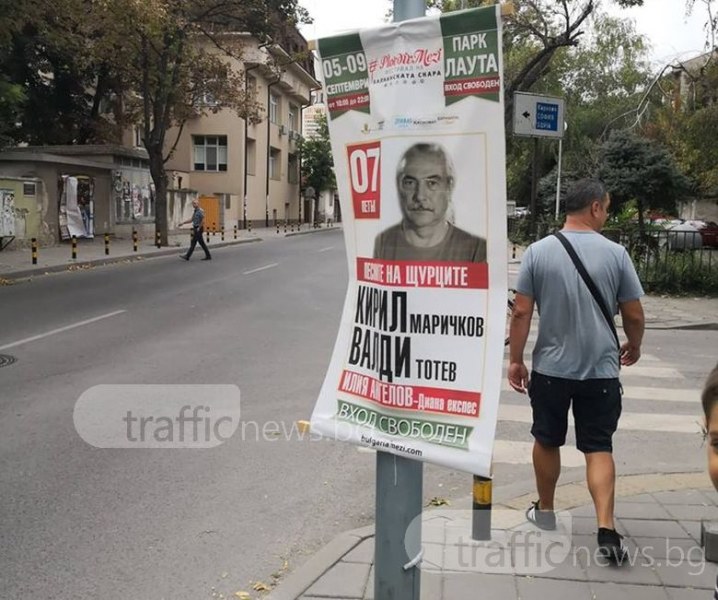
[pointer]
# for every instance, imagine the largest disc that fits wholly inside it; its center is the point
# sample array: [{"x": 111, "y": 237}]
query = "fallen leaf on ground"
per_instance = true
[
  {"x": 243, "y": 595},
  {"x": 436, "y": 501},
  {"x": 260, "y": 586}
]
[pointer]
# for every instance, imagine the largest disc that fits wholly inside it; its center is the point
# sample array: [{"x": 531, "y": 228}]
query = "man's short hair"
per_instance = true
[
  {"x": 583, "y": 193},
  {"x": 424, "y": 148}
]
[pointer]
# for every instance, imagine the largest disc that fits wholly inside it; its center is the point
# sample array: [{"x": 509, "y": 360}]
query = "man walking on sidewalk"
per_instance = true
[
  {"x": 576, "y": 356},
  {"x": 197, "y": 221}
]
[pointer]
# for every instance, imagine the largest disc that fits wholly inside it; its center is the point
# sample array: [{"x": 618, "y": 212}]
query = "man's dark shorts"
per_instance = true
[{"x": 596, "y": 407}]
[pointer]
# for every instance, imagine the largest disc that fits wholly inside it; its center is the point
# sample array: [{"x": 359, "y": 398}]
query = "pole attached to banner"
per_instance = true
[{"x": 399, "y": 484}]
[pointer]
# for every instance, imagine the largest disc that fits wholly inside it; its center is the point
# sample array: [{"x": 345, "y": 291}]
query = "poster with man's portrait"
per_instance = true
[{"x": 416, "y": 122}]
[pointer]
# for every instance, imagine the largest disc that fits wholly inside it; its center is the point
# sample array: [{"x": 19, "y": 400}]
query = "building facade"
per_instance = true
[{"x": 248, "y": 173}]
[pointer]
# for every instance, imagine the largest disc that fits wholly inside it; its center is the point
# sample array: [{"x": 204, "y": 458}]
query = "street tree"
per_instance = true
[
  {"x": 317, "y": 162},
  {"x": 636, "y": 168}
]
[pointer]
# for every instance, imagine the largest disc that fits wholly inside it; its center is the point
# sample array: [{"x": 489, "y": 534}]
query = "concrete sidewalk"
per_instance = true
[
  {"x": 17, "y": 263},
  {"x": 660, "y": 515}
]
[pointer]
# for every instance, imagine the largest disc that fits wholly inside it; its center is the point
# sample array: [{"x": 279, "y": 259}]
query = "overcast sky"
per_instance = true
[{"x": 671, "y": 33}]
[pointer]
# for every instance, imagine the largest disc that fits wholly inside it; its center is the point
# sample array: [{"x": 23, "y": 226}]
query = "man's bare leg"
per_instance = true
[
  {"x": 547, "y": 468},
  {"x": 601, "y": 478}
]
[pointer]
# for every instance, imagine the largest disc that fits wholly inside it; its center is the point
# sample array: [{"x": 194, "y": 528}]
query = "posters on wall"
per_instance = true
[
  {"x": 7, "y": 212},
  {"x": 416, "y": 121},
  {"x": 76, "y": 210}
]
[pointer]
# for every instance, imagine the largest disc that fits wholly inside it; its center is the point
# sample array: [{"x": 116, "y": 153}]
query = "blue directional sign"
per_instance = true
[
  {"x": 538, "y": 116},
  {"x": 546, "y": 116}
]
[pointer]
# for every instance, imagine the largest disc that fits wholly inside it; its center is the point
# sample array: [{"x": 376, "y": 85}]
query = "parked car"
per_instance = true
[
  {"x": 684, "y": 236},
  {"x": 708, "y": 231}
]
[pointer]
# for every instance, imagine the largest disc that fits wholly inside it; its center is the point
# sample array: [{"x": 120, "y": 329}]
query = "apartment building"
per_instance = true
[{"x": 242, "y": 173}]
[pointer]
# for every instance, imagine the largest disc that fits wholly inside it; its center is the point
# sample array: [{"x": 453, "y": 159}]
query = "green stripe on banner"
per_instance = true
[
  {"x": 425, "y": 430},
  {"x": 345, "y": 72},
  {"x": 471, "y": 55},
  {"x": 468, "y": 21},
  {"x": 340, "y": 44}
]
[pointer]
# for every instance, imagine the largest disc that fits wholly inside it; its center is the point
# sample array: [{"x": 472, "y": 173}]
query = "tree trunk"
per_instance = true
[{"x": 159, "y": 178}]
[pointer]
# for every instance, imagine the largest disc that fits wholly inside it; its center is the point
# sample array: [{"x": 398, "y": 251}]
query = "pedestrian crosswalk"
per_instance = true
[
  {"x": 650, "y": 405},
  {"x": 646, "y": 385}
]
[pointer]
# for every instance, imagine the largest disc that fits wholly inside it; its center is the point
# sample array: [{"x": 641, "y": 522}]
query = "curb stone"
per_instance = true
[
  {"x": 302, "y": 579},
  {"x": 109, "y": 260}
]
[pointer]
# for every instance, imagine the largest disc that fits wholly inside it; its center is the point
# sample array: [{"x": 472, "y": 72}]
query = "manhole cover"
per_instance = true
[{"x": 6, "y": 359}]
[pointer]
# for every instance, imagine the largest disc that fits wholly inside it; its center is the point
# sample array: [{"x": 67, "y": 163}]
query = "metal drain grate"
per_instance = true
[{"x": 6, "y": 359}]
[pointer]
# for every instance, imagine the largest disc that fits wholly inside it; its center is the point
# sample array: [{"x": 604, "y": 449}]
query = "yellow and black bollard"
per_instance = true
[
  {"x": 74, "y": 247},
  {"x": 134, "y": 241},
  {"x": 34, "y": 251},
  {"x": 285, "y": 226},
  {"x": 222, "y": 233},
  {"x": 513, "y": 251},
  {"x": 277, "y": 227},
  {"x": 107, "y": 244},
  {"x": 481, "y": 505},
  {"x": 158, "y": 239},
  {"x": 235, "y": 232},
  {"x": 249, "y": 226},
  {"x": 208, "y": 235},
  {"x": 214, "y": 229}
]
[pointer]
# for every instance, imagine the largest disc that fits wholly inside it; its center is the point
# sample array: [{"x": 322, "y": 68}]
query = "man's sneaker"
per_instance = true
[
  {"x": 611, "y": 546},
  {"x": 184, "y": 256},
  {"x": 207, "y": 258},
  {"x": 543, "y": 519}
]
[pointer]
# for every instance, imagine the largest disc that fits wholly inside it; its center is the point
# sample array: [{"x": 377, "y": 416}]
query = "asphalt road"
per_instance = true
[{"x": 77, "y": 521}]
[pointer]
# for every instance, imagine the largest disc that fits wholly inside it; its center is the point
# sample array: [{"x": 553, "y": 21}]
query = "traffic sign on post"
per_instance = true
[{"x": 538, "y": 116}]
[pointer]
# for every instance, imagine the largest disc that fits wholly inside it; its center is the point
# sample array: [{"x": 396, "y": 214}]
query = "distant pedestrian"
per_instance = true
[
  {"x": 709, "y": 399},
  {"x": 576, "y": 356},
  {"x": 197, "y": 221}
]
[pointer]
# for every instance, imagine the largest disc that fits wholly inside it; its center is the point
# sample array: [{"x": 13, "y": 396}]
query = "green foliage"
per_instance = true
[
  {"x": 317, "y": 161},
  {"x": 635, "y": 168}
]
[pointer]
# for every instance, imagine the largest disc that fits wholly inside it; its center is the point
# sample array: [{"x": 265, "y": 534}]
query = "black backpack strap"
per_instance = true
[{"x": 589, "y": 284}]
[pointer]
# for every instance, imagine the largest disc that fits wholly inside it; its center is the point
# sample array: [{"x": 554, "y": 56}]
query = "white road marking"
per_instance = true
[
  {"x": 519, "y": 453},
  {"x": 638, "y": 370},
  {"x": 629, "y": 421},
  {"x": 326, "y": 249},
  {"x": 661, "y": 394},
  {"x": 61, "y": 329},
  {"x": 264, "y": 268}
]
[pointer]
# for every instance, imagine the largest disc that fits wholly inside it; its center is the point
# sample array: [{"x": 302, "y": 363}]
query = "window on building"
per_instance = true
[
  {"x": 251, "y": 157},
  {"x": 28, "y": 189},
  {"x": 275, "y": 157},
  {"x": 293, "y": 169},
  {"x": 210, "y": 152},
  {"x": 137, "y": 141},
  {"x": 274, "y": 105},
  {"x": 251, "y": 86},
  {"x": 293, "y": 118}
]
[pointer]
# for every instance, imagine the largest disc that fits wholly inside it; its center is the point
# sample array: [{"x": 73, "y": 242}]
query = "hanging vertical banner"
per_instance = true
[{"x": 416, "y": 120}]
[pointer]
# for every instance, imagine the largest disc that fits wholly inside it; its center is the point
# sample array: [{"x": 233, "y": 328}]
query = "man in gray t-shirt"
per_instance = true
[{"x": 576, "y": 358}]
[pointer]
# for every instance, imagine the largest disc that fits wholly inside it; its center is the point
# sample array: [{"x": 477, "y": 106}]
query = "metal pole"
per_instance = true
[
  {"x": 558, "y": 178},
  {"x": 408, "y": 9},
  {"x": 534, "y": 189},
  {"x": 399, "y": 485}
]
